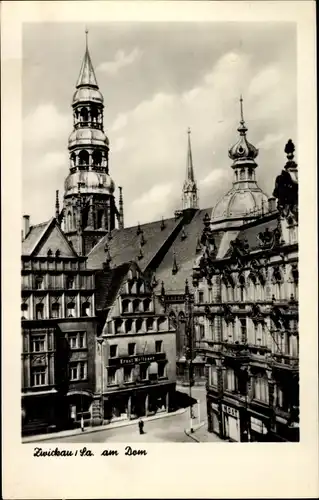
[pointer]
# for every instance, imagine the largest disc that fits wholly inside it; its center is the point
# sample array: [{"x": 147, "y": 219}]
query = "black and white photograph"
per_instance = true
[{"x": 159, "y": 236}]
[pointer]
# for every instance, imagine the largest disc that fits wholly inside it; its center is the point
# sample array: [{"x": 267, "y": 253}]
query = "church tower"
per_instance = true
[
  {"x": 89, "y": 205},
  {"x": 245, "y": 200},
  {"x": 190, "y": 198}
]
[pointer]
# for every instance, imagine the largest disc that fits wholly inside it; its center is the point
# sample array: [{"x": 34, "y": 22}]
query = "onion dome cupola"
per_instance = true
[
  {"x": 88, "y": 147},
  {"x": 190, "y": 198},
  {"x": 243, "y": 152},
  {"x": 245, "y": 198}
]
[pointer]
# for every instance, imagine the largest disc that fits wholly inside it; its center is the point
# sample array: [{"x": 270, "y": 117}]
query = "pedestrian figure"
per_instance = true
[
  {"x": 141, "y": 426},
  {"x": 82, "y": 424}
]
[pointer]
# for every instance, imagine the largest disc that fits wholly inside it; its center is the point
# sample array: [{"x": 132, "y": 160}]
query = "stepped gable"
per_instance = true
[
  {"x": 33, "y": 237},
  {"x": 124, "y": 245},
  {"x": 185, "y": 254},
  {"x": 108, "y": 284}
]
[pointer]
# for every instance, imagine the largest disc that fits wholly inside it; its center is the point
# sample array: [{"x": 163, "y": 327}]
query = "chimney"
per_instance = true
[
  {"x": 272, "y": 206},
  {"x": 26, "y": 226}
]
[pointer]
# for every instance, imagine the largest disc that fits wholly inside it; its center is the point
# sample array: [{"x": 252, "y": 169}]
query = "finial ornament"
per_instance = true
[
  {"x": 86, "y": 37},
  {"x": 241, "y": 109}
]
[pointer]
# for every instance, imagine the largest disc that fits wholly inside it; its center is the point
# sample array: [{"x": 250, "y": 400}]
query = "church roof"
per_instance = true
[
  {"x": 108, "y": 284},
  {"x": 185, "y": 254},
  {"x": 125, "y": 244}
]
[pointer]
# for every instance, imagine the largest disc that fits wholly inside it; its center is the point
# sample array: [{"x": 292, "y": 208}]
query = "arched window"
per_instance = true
[
  {"x": 84, "y": 115},
  {"x": 97, "y": 158},
  {"x": 172, "y": 321},
  {"x": 149, "y": 324},
  {"x": 94, "y": 113},
  {"x": 39, "y": 309},
  {"x": 241, "y": 284},
  {"x": 242, "y": 174},
  {"x": 128, "y": 325},
  {"x": 86, "y": 308},
  {"x": 74, "y": 220},
  {"x": 100, "y": 218},
  {"x": 69, "y": 220},
  {"x": 147, "y": 305},
  {"x": 136, "y": 305},
  {"x": 250, "y": 173},
  {"x": 73, "y": 159},
  {"x": 125, "y": 305},
  {"x": 84, "y": 157},
  {"x": 139, "y": 325}
]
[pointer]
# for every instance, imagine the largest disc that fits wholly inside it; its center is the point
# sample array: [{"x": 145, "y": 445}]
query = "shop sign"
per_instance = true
[
  {"x": 215, "y": 407},
  {"x": 231, "y": 411},
  {"x": 257, "y": 425},
  {"x": 134, "y": 360}
]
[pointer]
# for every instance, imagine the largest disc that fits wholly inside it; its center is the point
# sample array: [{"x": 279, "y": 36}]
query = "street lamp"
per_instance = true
[
  {"x": 189, "y": 349},
  {"x": 100, "y": 342}
]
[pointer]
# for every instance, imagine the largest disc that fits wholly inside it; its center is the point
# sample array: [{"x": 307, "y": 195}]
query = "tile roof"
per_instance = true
[
  {"x": 185, "y": 251},
  {"x": 125, "y": 244},
  {"x": 108, "y": 284},
  {"x": 33, "y": 237}
]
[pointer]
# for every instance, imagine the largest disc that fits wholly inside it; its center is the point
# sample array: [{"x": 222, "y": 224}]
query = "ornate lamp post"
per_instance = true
[
  {"x": 100, "y": 341},
  {"x": 189, "y": 329}
]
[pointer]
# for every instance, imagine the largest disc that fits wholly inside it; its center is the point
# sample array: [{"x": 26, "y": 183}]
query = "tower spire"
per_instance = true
[
  {"x": 190, "y": 168},
  {"x": 87, "y": 76},
  {"x": 242, "y": 129},
  {"x": 190, "y": 199}
]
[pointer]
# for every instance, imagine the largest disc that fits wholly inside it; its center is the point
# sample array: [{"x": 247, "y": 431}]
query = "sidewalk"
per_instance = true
[
  {"x": 201, "y": 434},
  {"x": 99, "y": 428}
]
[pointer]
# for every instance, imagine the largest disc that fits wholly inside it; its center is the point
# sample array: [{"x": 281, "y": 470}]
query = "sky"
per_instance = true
[{"x": 157, "y": 80}]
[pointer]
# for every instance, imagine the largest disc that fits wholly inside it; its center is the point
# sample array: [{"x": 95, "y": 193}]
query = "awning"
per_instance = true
[
  {"x": 153, "y": 368},
  {"x": 76, "y": 392}
]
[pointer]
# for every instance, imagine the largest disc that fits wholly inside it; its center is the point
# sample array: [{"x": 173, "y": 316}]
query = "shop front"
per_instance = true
[
  {"x": 258, "y": 428},
  {"x": 135, "y": 403},
  {"x": 231, "y": 423}
]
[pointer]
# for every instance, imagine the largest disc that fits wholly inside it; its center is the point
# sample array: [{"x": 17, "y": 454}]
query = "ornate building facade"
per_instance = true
[
  {"x": 58, "y": 330},
  {"x": 114, "y": 345},
  {"x": 136, "y": 351},
  {"x": 249, "y": 275}
]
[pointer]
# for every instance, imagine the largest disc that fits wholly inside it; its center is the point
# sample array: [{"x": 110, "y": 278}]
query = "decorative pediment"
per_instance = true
[{"x": 38, "y": 360}]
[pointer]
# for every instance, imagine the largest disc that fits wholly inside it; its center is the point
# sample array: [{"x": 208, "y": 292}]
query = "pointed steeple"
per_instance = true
[
  {"x": 190, "y": 168},
  {"x": 87, "y": 76},
  {"x": 190, "y": 199}
]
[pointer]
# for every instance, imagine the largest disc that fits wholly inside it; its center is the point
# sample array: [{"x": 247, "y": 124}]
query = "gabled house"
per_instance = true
[{"x": 58, "y": 330}]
